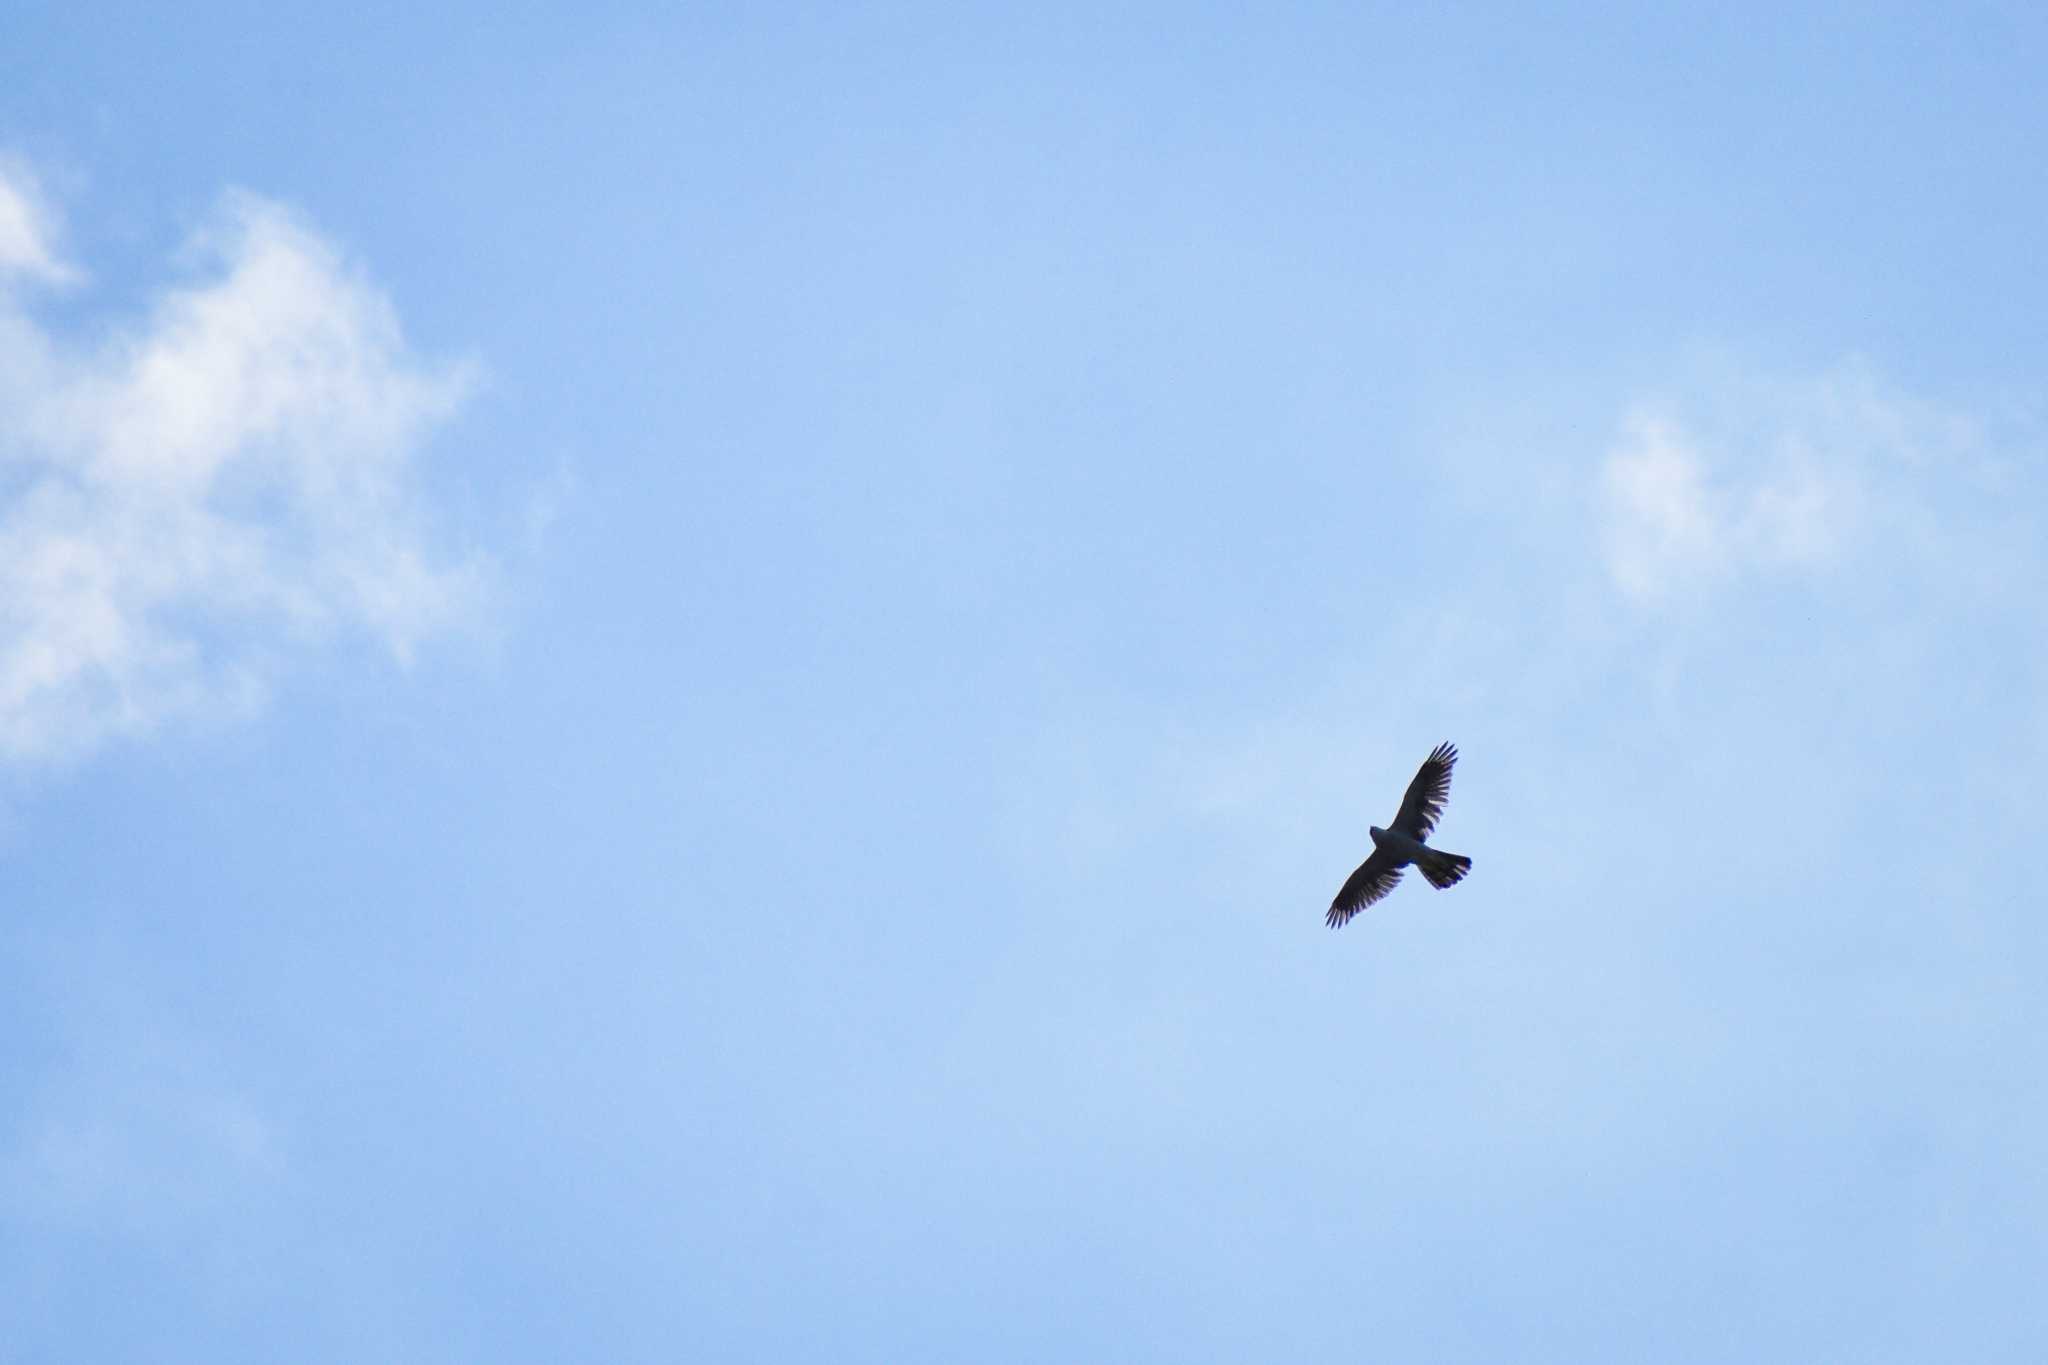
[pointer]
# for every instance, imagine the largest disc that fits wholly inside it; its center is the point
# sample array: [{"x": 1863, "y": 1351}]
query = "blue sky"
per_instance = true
[{"x": 686, "y": 683}]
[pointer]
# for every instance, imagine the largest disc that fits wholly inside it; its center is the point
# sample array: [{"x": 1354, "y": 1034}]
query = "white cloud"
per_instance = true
[
  {"x": 1664, "y": 521},
  {"x": 1752, "y": 477},
  {"x": 184, "y": 502},
  {"x": 26, "y": 229},
  {"x": 1673, "y": 524}
]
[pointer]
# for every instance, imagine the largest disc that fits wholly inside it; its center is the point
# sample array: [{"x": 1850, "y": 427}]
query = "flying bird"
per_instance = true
[{"x": 1401, "y": 844}]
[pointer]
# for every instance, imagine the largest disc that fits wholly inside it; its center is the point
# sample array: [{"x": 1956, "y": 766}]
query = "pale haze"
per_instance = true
[{"x": 687, "y": 683}]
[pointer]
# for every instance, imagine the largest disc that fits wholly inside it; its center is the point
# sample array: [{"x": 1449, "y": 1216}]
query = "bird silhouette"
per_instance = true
[{"x": 1395, "y": 847}]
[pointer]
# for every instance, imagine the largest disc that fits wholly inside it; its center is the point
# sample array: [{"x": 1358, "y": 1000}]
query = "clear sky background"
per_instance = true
[{"x": 685, "y": 683}]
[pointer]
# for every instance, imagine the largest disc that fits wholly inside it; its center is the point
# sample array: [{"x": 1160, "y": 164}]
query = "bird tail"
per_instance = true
[{"x": 1443, "y": 869}]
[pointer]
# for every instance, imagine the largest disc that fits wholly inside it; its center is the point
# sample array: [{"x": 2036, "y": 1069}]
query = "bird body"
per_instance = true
[
  {"x": 1402, "y": 842},
  {"x": 1395, "y": 842}
]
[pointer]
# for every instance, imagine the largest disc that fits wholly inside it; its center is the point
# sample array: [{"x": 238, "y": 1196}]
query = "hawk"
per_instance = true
[{"x": 1400, "y": 845}]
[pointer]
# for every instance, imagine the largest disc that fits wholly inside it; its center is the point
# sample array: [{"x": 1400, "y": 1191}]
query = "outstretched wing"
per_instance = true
[
  {"x": 1375, "y": 878},
  {"x": 1425, "y": 799}
]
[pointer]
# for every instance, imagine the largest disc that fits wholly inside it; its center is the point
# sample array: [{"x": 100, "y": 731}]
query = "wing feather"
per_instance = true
[
  {"x": 1374, "y": 878},
  {"x": 1427, "y": 793}
]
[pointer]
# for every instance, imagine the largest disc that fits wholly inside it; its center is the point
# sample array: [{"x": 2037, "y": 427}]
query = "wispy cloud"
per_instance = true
[
  {"x": 1676, "y": 522},
  {"x": 1749, "y": 477},
  {"x": 142, "y": 1137},
  {"x": 26, "y": 228},
  {"x": 137, "y": 1128},
  {"x": 199, "y": 492}
]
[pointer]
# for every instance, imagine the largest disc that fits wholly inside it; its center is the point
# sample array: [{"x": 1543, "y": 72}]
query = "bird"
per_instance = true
[{"x": 1402, "y": 843}]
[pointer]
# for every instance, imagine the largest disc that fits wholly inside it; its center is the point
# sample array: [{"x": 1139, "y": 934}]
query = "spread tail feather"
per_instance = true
[{"x": 1443, "y": 869}]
